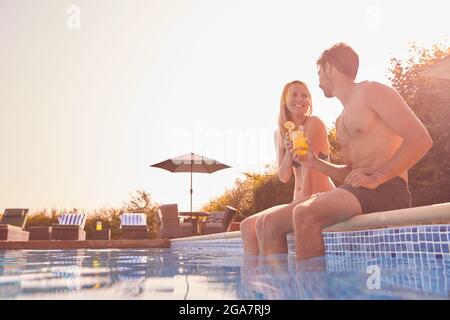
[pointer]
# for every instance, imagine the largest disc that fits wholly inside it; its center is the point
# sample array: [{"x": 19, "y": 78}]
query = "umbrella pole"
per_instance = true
[{"x": 191, "y": 186}]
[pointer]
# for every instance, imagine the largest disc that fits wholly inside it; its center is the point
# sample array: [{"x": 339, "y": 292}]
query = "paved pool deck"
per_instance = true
[{"x": 88, "y": 244}]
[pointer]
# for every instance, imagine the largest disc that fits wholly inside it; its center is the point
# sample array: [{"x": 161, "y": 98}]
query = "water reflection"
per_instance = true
[
  {"x": 335, "y": 277},
  {"x": 176, "y": 274}
]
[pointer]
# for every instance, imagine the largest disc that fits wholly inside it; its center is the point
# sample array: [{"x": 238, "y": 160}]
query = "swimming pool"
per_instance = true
[{"x": 210, "y": 274}]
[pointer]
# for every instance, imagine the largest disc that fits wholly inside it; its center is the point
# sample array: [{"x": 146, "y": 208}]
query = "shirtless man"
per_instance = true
[{"x": 381, "y": 139}]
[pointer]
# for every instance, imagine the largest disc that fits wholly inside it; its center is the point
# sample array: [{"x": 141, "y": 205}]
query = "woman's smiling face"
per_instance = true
[{"x": 297, "y": 99}]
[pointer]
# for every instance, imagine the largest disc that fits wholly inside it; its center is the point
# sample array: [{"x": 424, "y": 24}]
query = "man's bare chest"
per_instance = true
[{"x": 355, "y": 122}]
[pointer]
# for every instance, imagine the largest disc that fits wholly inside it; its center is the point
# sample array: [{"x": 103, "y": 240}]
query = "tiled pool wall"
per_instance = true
[
  {"x": 396, "y": 241},
  {"x": 400, "y": 241}
]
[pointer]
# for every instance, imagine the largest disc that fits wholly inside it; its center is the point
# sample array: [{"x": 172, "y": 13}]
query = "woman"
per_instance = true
[{"x": 295, "y": 106}]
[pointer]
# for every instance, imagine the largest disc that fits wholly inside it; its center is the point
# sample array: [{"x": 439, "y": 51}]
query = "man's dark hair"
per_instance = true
[{"x": 342, "y": 57}]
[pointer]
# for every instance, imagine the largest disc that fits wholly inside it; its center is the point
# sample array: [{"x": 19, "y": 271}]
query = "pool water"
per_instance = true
[{"x": 176, "y": 274}]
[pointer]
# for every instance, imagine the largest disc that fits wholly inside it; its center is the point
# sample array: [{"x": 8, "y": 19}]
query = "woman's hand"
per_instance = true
[
  {"x": 307, "y": 159},
  {"x": 288, "y": 144}
]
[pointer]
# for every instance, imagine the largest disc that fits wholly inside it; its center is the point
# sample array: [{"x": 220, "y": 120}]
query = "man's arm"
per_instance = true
[
  {"x": 393, "y": 110},
  {"x": 336, "y": 172}
]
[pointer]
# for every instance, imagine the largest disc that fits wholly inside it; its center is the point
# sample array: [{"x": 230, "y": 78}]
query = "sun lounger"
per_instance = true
[
  {"x": 40, "y": 233},
  {"x": 12, "y": 224},
  {"x": 134, "y": 226},
  {"x": 218, "y": 221},
  {"x": 70, "y": 227},
  {"x": 170, "y": 226}
]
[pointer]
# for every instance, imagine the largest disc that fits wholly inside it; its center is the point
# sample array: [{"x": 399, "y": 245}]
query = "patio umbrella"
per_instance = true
[
  {"x": 191, "y": 162},
  {"x": 440, "y": 70}
]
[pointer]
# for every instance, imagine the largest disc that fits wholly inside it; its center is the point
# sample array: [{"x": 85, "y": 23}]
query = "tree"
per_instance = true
[
  {"x": 142, "y": 202},
  {"x": 429, "y": 98}
]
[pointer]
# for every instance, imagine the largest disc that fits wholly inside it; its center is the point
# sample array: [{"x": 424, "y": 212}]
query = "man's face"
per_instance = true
[{"x": 325, "y": 81}]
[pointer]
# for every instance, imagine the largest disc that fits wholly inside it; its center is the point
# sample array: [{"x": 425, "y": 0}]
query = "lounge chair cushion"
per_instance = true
[
  {"x": 72, "y": 219},
  {"x": 133, "y": 219}
]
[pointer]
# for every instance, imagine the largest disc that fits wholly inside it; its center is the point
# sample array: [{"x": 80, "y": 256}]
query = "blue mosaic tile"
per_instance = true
[{"x": 401, "y": 241}]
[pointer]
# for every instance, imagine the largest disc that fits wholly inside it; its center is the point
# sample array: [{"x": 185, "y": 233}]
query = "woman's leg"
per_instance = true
[
  {"x": 249, "y": 226},
  {"x": 248, "y": 234},
  {"x": 273, "y": 226}
]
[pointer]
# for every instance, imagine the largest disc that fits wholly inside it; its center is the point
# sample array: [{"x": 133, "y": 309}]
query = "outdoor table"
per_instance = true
[
  {"x": 104, "y": 234},
  {"x": 195, "y": 217}
]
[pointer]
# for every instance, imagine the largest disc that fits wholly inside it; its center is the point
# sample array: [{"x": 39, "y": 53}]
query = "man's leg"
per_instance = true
[
  {"x": 311, "y": 216},
  {"x": 272, "y": 228}
]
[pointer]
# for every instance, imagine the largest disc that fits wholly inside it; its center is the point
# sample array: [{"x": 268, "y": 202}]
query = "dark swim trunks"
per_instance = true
[{"x": 391, "y": 195}]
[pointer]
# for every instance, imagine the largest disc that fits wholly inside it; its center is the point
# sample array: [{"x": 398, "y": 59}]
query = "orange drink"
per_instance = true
[
  {"x": 299, "y": 142},
  {"x": 297, "y": 137}
]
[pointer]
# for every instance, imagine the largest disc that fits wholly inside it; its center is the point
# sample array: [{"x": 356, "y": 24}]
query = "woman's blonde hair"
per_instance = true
[{"x": 285, "y": 115}]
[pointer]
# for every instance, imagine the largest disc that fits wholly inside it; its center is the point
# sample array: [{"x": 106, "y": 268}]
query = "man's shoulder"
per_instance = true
[{"x": 370, "y": 88}]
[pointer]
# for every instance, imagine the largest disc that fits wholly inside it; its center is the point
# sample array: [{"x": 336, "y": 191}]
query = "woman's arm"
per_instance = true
[
  {"x": 284, "y": 159},
  {"x": 316, "y": 133}
]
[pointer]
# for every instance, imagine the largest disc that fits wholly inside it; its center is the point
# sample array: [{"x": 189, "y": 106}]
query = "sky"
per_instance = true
[{"x": 92, "y": 92}]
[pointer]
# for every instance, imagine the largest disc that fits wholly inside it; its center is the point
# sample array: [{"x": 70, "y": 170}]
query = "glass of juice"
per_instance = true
[{"x": 299, "y": 142}]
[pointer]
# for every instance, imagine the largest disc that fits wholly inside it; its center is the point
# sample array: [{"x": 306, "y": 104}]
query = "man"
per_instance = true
[{"x": 381, "y": 139}]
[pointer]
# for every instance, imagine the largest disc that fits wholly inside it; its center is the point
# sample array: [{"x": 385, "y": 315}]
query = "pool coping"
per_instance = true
[
  {"x": 425, "y": 215},
  {"x": 83, "y": 244}
]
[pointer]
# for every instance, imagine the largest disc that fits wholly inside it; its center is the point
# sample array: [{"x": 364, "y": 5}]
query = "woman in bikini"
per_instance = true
[{"x": 295, "y": 106}]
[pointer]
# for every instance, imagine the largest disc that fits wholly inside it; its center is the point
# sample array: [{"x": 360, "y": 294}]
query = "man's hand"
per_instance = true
[
  {"x": 363, "y": 178},
  {"x": 307, "y": 159}
]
